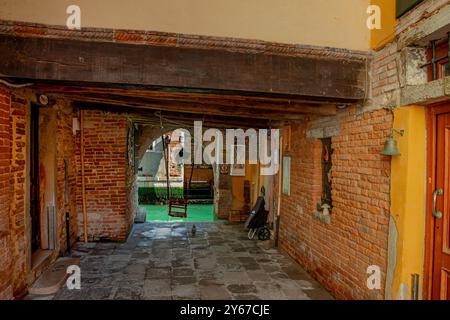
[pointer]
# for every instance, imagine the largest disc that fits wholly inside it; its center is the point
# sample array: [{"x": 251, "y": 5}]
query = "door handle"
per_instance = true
[{"x": 437, "y": 214}]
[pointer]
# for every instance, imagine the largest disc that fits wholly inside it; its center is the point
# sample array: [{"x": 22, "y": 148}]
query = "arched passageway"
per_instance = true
[{"x": 161, "y": 178}]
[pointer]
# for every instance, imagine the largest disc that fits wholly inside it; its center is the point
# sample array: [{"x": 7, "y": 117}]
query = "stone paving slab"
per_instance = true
[{"x": 164, "y": 261}]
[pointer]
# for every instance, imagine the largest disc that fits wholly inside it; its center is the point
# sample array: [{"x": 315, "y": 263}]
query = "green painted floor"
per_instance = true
[{"x": 195, "y": 212}]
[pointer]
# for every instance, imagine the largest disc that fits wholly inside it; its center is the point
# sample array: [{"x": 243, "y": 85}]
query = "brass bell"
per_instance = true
[{"x": 390, "y": 146}]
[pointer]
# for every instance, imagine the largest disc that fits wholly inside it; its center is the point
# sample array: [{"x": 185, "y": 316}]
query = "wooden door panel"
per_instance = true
[
  {"x": 445, "y": 284},
  {"x": 445, "y": 216},
  {"x": 441, "y": 250}
]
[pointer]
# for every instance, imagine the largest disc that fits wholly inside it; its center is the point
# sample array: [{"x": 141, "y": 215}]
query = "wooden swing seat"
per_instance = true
[{"x": 178, "y": 207}]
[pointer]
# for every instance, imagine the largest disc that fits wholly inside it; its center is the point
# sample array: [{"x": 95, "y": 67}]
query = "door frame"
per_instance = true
[
  {"x": 433, "y": 112},
  {"x": 35, "y": 219}
]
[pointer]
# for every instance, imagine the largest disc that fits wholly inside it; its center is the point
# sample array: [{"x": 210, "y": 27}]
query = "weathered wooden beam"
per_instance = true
[
  {"x": 119, "y": 63},
  {"x": 146, "y": 116},
  {"x": 217, "y": 107},
  {"x": 197, "y": 108},
  {"x": 250, "y": 104},
  {"x": 170, "y": 94},
  {"x": 207, "y": 122}
]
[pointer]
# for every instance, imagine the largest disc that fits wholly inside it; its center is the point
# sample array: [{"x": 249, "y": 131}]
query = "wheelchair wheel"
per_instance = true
[{"x": 264, "y": 234}]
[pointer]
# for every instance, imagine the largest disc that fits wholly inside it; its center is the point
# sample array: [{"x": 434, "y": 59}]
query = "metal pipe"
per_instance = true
[
  {"x": 67, "y": 203},
  {"x": 68, "y": 231},
  {"x": 13, "y": 85},
  {"x": 433, "y": 59},
  {"x": 280, "y": 181},
  {"x": 166, "y": 161},
  {"x": 447, "y": 70}
]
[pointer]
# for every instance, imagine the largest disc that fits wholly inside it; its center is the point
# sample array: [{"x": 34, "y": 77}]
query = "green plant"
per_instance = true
[{"x": 155, "y": 195}]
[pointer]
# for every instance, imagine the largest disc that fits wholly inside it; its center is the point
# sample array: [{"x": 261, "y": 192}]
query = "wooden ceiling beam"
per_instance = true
[
  {"x": 178, "y": 119},
  {"x": 196, "y": 108},
  {"x": 249, "y": 106},
  {"x": 232, "y": 99},
  {"x": 314, "y": 76}
]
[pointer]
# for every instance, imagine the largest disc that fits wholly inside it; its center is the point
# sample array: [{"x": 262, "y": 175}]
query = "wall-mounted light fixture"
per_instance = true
[
  {"x": 390, "y": 146},
  {"x": 43, "y": 99}
]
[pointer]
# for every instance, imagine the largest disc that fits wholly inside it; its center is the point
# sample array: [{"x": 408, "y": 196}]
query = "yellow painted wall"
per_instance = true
[
  {"x": 408, "y": 173},
  {"x": 251, "y": 174},
  {"x": 379, "y": 38},
  {"x": 334, "y": 23},
  {"x": 237, "y": 191}
]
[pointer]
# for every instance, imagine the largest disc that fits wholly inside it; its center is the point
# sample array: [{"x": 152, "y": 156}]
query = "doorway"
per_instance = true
[
  {"x": 438, "y": 217},
  {"x": 162, "y": 181},
  {"x": 34, "y": 180}
]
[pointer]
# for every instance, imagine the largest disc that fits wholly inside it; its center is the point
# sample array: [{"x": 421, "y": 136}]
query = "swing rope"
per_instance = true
[
  {"x": 173, "y": 203},
  {"x": 166, "y": 163}
]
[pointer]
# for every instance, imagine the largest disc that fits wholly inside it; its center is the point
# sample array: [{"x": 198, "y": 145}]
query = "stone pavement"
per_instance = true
[{"x": 164, "y": 261}]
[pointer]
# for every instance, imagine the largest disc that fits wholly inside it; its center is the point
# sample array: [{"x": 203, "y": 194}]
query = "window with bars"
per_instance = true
[{"x": 438, "y": 59}]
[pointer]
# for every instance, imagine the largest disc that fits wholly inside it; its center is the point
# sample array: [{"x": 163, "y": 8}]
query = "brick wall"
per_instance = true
[
  {"x": 19, "y": 231},
  {"x": 6, "y": 290},
  {"x": 110, "y": 210},
  {"x": 338, "y": 254},
  {"x": 13, "y": 235},
  {"x": 385, "y": 74},
  {"x": 5, "y": 157},
  {"x": 105, "y": 158}
]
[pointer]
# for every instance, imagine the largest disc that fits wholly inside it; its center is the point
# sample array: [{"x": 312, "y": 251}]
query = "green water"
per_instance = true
[{"x": 195, "y": 212}]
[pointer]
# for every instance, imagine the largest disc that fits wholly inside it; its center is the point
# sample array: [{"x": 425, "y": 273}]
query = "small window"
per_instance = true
[
  {"x": 438, "y": 60},
  {"x": 326, "y": 162},
  {"x": 287, "y": 176}
]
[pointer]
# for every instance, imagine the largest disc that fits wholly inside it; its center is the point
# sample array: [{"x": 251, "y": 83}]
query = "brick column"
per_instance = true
[
  {"x": 224, "y": 195},
  {"x": 105, "y": 161},
  {"x": 6, "y": 291}
]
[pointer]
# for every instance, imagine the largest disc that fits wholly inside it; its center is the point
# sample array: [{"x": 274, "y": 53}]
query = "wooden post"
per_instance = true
[{"x": 166, "y": 164}]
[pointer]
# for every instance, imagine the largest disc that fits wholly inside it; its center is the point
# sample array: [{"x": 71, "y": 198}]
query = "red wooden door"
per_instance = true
[{"x": 441, "y": 210}]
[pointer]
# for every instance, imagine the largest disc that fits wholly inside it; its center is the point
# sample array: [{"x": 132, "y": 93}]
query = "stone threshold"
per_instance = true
[
  {"x": 39, "y": 258},
  {"x": 53, "y": 277}
]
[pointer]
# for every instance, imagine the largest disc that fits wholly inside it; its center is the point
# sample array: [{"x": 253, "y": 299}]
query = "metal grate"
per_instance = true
[{"x": 327, "y": 152}]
